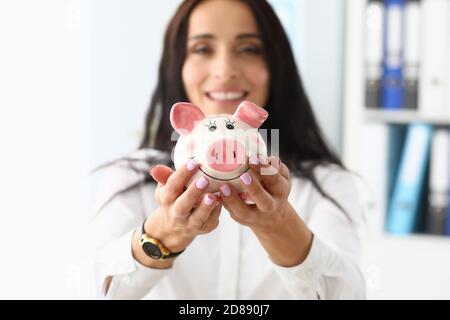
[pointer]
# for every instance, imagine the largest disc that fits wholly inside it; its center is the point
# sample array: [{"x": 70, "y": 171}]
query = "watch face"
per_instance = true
[{"x": 152, "y": 250}]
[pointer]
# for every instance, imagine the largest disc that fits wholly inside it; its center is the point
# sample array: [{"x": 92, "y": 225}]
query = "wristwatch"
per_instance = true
[{"x": 154, "y": 248}]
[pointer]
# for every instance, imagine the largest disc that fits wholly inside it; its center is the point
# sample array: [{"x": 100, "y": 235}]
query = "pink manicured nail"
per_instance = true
[
  {"x": 225, "y": 189},
  {"x": 208, "y": 201},
  {"x": 264, "y": 160},
  {"x": 201, "y": 183},
  {"x": 246, "y": 178},
  {"x": 191, "y": 164},
  {"x": 253, "y": 159}
]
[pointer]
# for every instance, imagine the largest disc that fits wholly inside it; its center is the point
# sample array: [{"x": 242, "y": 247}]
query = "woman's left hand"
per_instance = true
[
  {"x": 268, "y": 184},
  {"x": 279, "y": 228}
]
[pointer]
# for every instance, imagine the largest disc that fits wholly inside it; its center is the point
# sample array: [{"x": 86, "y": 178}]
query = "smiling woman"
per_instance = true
[
  {"x": 224, "y": 66},
  {"x": 302, "y": 232}
]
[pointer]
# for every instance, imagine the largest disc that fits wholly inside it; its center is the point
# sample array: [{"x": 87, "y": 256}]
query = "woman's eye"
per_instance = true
[
  {"x": 212, "y": 128},
  {"x": 201, "y": 50},
  {"x": 251, "y": 50}
]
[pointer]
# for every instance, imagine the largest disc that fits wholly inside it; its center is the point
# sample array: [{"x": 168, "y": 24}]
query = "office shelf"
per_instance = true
[
  {"x": 411, "y": 266},
  {"x": 401, "y": 117}
]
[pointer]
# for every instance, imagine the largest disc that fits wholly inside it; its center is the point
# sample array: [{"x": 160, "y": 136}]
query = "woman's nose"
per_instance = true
[{"x": 225, "y": 68}]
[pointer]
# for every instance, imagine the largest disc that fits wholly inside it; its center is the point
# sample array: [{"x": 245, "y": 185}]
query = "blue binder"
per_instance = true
[
  {"x": 405, "y": 206},
  {"x": 396, "y": 136},
  {"x": 392, "y": 91}
]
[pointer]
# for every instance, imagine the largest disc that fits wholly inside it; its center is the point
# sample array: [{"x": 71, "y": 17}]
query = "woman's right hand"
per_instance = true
[{"x": 179, "y": 217}]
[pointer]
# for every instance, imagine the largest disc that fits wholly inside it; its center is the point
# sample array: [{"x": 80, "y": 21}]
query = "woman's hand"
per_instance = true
[
  {"x": 268, "y": 184},
  {"x": 180, "y": 217},
  {"x": 282, "y": 233}
]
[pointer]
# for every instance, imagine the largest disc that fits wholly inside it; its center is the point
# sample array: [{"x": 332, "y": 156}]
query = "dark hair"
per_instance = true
[{"x": 301, "y": 142}]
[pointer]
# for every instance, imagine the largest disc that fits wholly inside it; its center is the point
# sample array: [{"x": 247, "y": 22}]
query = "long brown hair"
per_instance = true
[{"x": 301, "y": 142}]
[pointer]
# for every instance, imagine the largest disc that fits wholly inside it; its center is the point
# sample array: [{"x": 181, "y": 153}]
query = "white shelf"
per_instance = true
[
  {"x": 396, "y": 267},
  {"x": 402, "y": 117},
  {"x": 430, "y": 239}
]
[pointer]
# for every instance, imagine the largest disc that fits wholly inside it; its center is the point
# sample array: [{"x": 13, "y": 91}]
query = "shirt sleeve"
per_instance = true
[
  {"x": 332, "y": 268},
  {"x": 111, "y": 231}
]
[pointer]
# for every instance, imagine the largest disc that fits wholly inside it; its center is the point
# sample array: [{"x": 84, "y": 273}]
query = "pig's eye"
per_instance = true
[
  {"x": 229, "y": 124},
  {"x": 211, "y": 126}
]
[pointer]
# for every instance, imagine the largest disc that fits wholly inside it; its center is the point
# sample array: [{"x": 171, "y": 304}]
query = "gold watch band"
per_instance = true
[{"x": 154, "y": 248}]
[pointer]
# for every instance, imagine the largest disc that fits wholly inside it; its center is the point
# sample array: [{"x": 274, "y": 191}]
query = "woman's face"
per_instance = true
[{"x": 224, "y": 63}]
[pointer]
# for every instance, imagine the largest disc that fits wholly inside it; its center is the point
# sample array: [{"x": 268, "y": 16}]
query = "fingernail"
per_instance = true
[
  {"x": 225, "y": 189},
  {"x": 208, "y": 201},
  {"x": 264, "y": 160},
  {"x": 201, "y": 183},
  {"x": 191, "y": 165},
  {"x": 150, "y": 170},
  {"x": 253, "y": 159},
  {"x": 246, "y": 178}
]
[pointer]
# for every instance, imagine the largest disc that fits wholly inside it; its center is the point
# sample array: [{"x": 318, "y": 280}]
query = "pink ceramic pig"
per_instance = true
[{"x": 221, "y": 144}]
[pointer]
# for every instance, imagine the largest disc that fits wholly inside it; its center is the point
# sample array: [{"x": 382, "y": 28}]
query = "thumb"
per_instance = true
[{"x": 160, "y": 173}]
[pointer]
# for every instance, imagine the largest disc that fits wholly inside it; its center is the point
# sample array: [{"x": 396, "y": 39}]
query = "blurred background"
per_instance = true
[{"x": 76, "y": 78}]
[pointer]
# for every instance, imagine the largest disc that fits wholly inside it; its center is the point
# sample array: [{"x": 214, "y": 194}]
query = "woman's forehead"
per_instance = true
[{"x": 219, "y": 17}]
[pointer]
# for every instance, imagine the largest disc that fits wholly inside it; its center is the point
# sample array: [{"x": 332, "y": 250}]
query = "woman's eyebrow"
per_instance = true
[
  {"x": 239, "y": 36},
  {"x": 248, "y": 35},
  {"x": 202, "y": 36}
]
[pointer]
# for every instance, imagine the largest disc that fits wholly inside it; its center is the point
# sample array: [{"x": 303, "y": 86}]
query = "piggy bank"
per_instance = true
[{"x": 221, "y": 144}]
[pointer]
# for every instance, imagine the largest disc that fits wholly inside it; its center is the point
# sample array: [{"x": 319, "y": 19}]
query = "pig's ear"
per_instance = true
[
  {"x": 251, "y": 114},
  {"x": 184, "y": 116}
]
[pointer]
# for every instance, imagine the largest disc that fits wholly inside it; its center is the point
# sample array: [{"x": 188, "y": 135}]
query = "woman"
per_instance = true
[{"x": 299, "y": 241}]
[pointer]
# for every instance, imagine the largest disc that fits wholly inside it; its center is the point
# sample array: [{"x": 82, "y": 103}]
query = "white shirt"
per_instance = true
[{"x": 230, "y": 263}]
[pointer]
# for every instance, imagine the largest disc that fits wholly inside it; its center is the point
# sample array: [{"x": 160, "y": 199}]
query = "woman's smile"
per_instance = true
[{"x": 227, "y": 96}]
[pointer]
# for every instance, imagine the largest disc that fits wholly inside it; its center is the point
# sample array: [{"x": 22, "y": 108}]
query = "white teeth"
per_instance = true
[{"x": 226, "y": 95}]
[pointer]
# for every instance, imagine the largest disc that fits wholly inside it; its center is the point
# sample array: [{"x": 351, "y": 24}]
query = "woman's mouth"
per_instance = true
[{"x": 227, "y": 96}]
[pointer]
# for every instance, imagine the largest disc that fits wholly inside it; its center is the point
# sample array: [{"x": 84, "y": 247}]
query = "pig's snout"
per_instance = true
[{"x": 226, "y": 155}]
